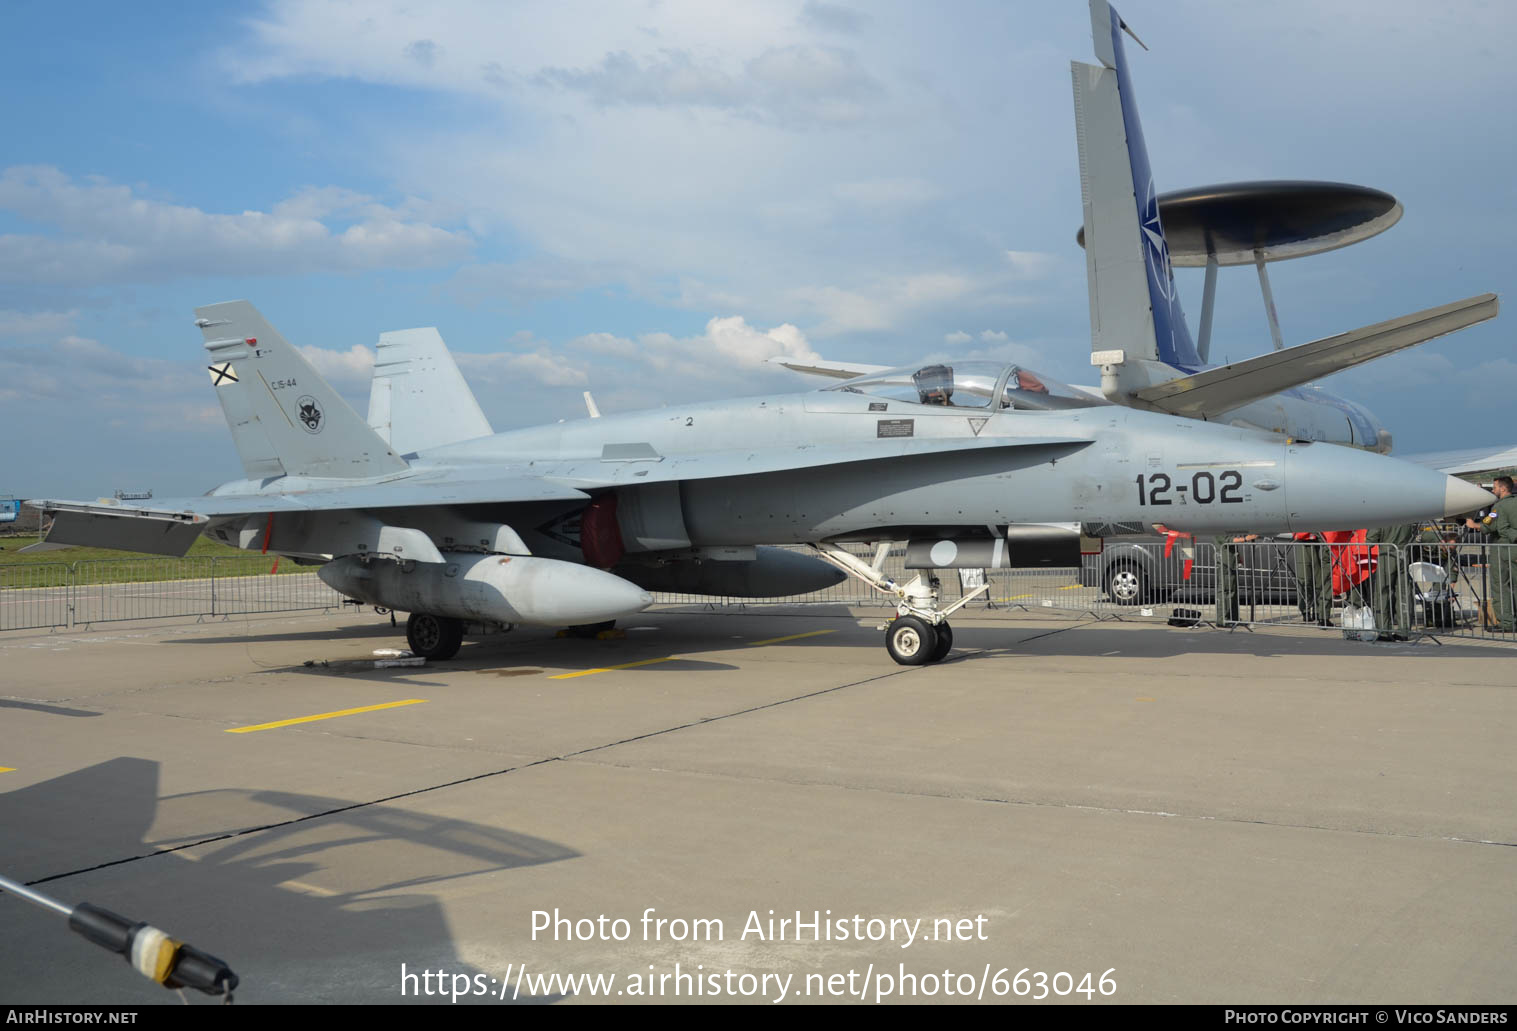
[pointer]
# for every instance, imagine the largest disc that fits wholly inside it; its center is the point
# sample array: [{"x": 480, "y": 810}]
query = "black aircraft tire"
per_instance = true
[
  {"x": 945, "y": 643},
  {"x": 911, "y": 641},
  {"x": 434, "y": 637}
]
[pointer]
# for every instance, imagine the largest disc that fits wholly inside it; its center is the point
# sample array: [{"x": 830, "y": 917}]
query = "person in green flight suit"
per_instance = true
[
  {"x": 1392, "y": 591},
  {"x": 1227, "y": 575},
  {"x": 1500, "y": 527},
  {"x": 1314, "y": 579}
]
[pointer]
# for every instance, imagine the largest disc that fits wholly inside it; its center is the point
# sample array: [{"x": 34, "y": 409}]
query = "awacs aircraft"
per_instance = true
[
  {"x": 1132, "y": 238},
  {"x": 432, "y": 514}
]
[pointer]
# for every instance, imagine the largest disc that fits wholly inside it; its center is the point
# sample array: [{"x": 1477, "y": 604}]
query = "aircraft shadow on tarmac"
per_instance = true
[
  {"x": 51, "y": 710},
  {"x": 241, "y": 895},
  {"x": 686, "y": 632},
  {"x": 1158, "y": 641}
]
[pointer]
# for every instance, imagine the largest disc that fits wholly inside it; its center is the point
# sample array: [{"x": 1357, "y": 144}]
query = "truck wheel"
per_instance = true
[
  {"x": 910, "y": 640},
  {"x": 434, "y": 637},
  {"x": 1127, "y": 584}
]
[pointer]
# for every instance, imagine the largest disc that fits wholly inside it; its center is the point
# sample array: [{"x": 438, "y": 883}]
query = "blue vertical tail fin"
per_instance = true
[{"x": 1134, "y": 307}]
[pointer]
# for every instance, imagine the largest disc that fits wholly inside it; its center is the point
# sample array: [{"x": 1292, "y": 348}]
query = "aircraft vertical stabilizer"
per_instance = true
[
  {"x": 1134, "y": 307},
  {"x": 285, "y": 419},
  {"x": 419, "y": 399}
]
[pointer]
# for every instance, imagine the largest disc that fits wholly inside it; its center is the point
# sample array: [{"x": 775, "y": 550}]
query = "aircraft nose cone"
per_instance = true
[
  {"x": 1460, "y": 496},
  {"x": 1332, "y": 486}
]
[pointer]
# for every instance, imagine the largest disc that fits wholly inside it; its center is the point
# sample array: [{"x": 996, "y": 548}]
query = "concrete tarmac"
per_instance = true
[{"x": 1194, "y": 816}]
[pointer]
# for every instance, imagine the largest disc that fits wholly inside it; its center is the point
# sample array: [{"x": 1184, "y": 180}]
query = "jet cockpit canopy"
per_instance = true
[{"x": 970, "y": 384}]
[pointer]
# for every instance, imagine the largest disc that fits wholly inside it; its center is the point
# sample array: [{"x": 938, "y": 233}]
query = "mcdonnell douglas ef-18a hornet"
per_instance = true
[{"x": 422, "y": 509}]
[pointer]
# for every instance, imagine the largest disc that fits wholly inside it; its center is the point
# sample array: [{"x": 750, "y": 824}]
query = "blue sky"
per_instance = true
[{"x": 648, "y": 199}]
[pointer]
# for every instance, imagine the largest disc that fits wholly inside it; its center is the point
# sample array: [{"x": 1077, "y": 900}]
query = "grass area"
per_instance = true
[{"x": 104, "y": 565}]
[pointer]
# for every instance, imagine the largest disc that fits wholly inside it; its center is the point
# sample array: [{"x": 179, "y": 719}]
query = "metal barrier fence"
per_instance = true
[
  {"x": 43, "y": 595},
  {"x": 1439, "y": 590},
  {"x": 1430, "y": 589}
]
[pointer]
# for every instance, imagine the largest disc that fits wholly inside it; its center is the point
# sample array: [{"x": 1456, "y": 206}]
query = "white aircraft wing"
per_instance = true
[
  {"x": 1215, "y": 391},
  {"x": 832, "y": 370},
  {"x": 1498, "y": 460}
]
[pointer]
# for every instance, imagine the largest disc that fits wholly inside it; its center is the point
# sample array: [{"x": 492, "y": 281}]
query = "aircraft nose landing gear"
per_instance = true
[{"x": 920, "y": 633}]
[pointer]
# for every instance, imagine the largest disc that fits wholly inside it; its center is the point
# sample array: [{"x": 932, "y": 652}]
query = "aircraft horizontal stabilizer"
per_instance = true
[
  {"x": 149, "y": 530},
  {"x": 1211, "y": 393}
]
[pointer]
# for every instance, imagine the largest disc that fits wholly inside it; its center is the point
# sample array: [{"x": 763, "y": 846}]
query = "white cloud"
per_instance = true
[
  {"x": 741, "y": 162},
  {"x": 79, "y": 369},
  {"x": 728, "y": 348},
  {"x": 958, "y": 336},
  {"x": 511, "y": 370},
  {"x": 887, "y": 193},
  {"x": 529, "y": 280},
  {"x": 1030, "y": 264},
  {"x": 351, "y": 368},
  {"x": 893, "y": 302},
  {"x": 112, "y": 234},
  {"x": 31, "y": 323},
  {"x": 833, "y": 17}
]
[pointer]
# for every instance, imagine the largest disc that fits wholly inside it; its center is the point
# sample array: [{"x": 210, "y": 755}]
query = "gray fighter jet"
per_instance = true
[
  {"x": 423, "y": 509},
  {"x": 574, "y": 523}
]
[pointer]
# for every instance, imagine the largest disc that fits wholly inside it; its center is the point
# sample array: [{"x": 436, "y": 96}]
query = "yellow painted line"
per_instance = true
[
  {"x": 1072, "y": 587},
  {"x": 792, "y": 637},
  {"x": 324, "y": 716},
  {"x": 7, "y": 769},
  {"x": 608, "y": 669},
  {"x": 1017, "y": 597}
]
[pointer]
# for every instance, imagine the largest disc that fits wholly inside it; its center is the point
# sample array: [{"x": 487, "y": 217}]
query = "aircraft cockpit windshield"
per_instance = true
[{"x": 970, "y": 384}]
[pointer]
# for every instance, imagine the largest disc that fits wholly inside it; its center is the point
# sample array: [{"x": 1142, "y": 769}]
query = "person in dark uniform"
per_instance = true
[
  {"x": 1227, "y": 576},
  {"x": 1314, "y": 579},
  {"x": 1500, "y": 528},
  {"x": 1392, "y": 590}
]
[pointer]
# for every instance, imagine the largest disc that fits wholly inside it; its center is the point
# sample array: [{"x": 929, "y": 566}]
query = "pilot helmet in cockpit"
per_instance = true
[{"x": 934, "y": 384}]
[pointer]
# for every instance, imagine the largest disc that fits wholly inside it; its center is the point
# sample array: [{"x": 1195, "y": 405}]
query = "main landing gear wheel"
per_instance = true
[
  {"x": 434, "y": 637},
  {"x": 911, "y": 641}
]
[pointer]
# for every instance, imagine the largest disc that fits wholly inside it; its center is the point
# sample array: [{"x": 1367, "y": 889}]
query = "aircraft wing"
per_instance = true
[
  {"x": 630, "y": 464},
  {"x": 1214, "y": 391},
  {"x": 1495, "y": 460},
  {"x": 171, "y": 525},
  {"x": 832, "y": 370}
]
